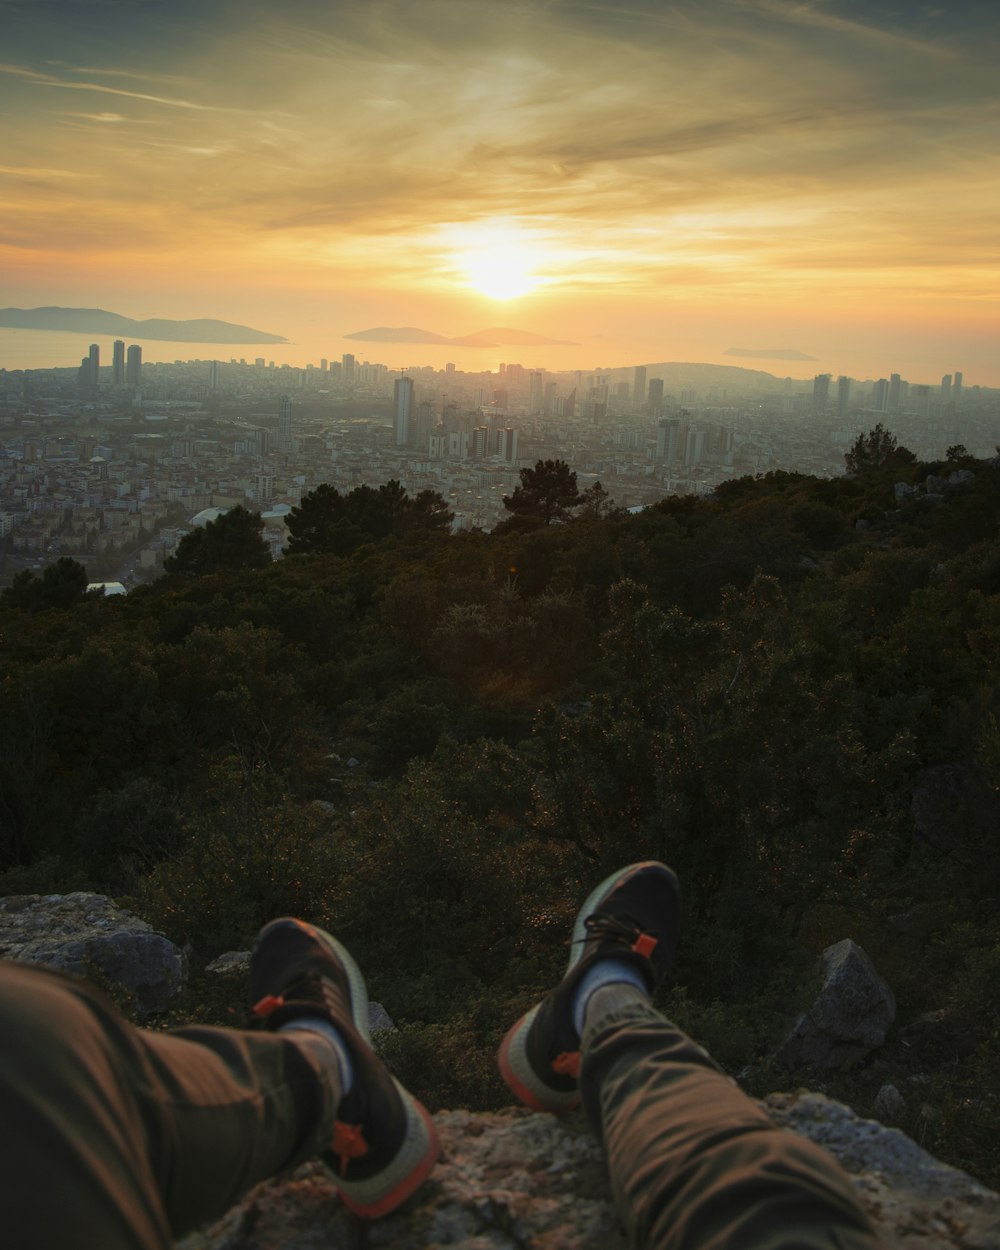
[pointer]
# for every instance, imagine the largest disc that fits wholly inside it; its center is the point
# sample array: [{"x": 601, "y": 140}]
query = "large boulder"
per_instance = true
[
  {"x": 513, "y": 1180},
  {"x": 81, "y": 932},
  {"x": 849, "y": 1017}
]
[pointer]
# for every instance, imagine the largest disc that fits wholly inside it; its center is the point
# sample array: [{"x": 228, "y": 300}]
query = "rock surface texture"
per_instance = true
[
  {"x": 519, "y": 1181},
  {"x": 850, "y": 1016},
  {"x": 82, "y": 932}
]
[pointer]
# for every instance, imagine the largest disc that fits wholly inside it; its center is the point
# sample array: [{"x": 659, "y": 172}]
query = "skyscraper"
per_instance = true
[
  {"x": 821, "y": 391},
  {"x": 95, "y": 365},
  {"x": 880, "y": 395},
  {"x": 402, "y": 405},
  {"x": 639, "y": 386},
  {"x": 118, "y": 363},
  {"x": 655, "y": 395},
  {"x": 956, "y": 389},
  {"x": 535, "y": 393},
  {"x": 843, "y": 394},
  {"x": 895, "y": 388},
  {"x": 133, "y": 365},
  {"x": 347, "y": 367}
]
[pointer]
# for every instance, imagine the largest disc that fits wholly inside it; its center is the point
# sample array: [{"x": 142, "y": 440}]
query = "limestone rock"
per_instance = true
[
  {"x": 80, "y": 931},
  {"x": 518, "y": 1181},
  {"x": 237, "y": 963},
  {"x": 849, "y": 1017}
]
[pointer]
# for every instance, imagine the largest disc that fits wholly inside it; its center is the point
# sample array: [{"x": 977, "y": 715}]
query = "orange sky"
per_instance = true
[{"x": 654, "y": 181}]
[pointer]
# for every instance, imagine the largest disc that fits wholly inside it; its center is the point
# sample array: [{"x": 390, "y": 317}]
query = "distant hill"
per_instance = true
[
  {"x": 98, "y": 321},
  {"x": 495, "y": 336},
  {"x": 768, "y": 353}
]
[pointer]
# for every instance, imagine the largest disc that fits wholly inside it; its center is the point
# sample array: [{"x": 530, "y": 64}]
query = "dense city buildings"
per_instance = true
[{"x": 115, "y": 474}]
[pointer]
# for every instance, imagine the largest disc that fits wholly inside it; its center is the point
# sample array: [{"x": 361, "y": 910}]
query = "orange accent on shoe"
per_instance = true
[
  {"x": 269, "y": 1003},
  {"x": 567, "y": 1064},
  {"x": 644, "y": 945},
  {"x": 348, "y": 1143}
]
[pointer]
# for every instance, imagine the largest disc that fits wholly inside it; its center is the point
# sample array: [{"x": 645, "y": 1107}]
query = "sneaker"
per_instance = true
[
  {"x": 384, "y": 1141},
  {"x": 632, "y": 917}
]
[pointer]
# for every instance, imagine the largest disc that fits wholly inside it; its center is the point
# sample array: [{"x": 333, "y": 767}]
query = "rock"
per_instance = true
[
  {"x": 849, "y": 1017},
  {"x": 889, "y": 1104},
  {"x": 231, "y": 964},
  {"x": 514, "y": 1180},
  {"x": 961, "y": 477},
  {"x": 903, "y": 490},
  {"x": 79, "y": 932},
  {"x": 934, "y": 484},
  {"x": 237, "y": 963}
]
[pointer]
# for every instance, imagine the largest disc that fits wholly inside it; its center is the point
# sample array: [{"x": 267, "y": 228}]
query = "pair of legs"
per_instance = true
[{"x": 126, "y": 1139}]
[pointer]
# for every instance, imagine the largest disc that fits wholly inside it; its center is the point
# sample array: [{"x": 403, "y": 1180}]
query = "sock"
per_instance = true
[
  {"x": 330, "y": 1035},
  {"x": 601, "y": 973}
]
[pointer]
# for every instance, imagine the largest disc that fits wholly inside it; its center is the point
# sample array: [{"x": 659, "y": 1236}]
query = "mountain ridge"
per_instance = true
[
  {"x": 492, "y": 336},
  {"x": 100, "y": 321}
]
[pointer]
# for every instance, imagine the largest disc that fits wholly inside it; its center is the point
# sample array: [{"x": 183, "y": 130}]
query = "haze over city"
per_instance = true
[{"x": 649, "y": 182}]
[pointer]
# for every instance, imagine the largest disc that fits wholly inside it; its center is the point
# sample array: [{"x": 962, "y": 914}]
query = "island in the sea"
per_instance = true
[{"x": 98, "y": 321}]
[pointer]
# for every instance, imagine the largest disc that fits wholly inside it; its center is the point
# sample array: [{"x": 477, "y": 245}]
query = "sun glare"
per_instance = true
[{"x": 496, "y": 259}]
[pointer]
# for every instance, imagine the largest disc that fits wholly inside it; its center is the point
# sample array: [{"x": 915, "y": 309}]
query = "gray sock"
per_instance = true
[
  {"x": 605, "y": 972},
  {"x": 333, "y": 1042}
]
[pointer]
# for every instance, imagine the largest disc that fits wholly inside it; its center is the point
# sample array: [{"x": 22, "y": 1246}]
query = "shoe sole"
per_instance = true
[
  {"x": 378, "y": 1195},
  {"x": 515, "y": 1067}
]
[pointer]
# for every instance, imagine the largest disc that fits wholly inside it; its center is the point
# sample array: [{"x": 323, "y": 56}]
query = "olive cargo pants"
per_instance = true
[{"x": 123, "y": 1139}]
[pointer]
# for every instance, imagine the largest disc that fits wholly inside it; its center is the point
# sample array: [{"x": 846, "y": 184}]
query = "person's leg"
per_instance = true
[
  {"x": 694, "y": 1164},
  {"x": 693, "y": 1161},
  {"x": 120, "y": 1137},
  {"x": 128, "y": 1138}
]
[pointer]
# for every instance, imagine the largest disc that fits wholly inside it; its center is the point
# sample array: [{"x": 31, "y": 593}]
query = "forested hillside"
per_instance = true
[{"x": 432, "y": 744}]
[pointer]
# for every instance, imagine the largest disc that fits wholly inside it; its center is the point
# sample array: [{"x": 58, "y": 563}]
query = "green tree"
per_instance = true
[
  {"x": 318, "y": 522},
  {"x": 61, "y": 585},
  {"x": 547, "y": 493},
  {"x": 877, "y": 449},
  {"x": 234, "y": 540}
]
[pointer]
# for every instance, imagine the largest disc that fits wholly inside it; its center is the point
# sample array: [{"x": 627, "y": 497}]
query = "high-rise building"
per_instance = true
[
  {"x": 402, "y": 406},
  {"x": 133, "y": 365},
  {"x": 946, "y": 388},
  {"x": 535, "y": 393},
  {"x": 843, "y": 394},
  {"x": 655, "y": 395},
  {"x": 956, "y": 389},
  {"x": 880, "y": 395},
  {"x": 895, "y": 390},
  {"x": 213, "y": 375},
  {"x": 283, "y": 440},
  {"x": 118, "y": 363},
  {"x": 347, "y": 368},
  {"x": 821, "y": 391},
  {"x": 507, "y": 443},
  {"x": 639, "y": 385}
]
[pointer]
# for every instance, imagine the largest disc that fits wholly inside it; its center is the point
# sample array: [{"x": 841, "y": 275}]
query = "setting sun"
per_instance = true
[{"x": 496, "y": 259}]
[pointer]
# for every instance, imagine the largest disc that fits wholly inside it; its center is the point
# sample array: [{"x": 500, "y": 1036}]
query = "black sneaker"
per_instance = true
[
  {"x": 384, "y": 1142},
  {"x": 632, "y": 917}
]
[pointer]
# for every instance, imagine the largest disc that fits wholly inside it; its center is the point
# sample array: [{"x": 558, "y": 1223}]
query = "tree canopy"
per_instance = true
[
  {"x": 327, "y": 521},
  {"x": 547, "y": 493},
  {"x": 876, "y": 450},
  {"x": 234, "y": 540}
]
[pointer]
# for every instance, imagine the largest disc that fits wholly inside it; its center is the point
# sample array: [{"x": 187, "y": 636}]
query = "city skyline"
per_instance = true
[{"x": 653, "y": 184}]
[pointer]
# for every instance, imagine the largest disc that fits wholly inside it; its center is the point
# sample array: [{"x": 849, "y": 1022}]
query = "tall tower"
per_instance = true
[
  {"x": 94, "y": 357},
  {"x": 655, "y": 395},
  {"x": 118, "y": 363},
  {"x": 639, "y": 386},
  {"x": 402, "y": 405},
  {"x": 347, "y": 369},
  {"x": 843, "y": 394},
  {"x": 535, "y": 393},
  {"x": 956, "y": 389},
  {"x": 821, "y": 391},
  {"x": 133, "y": 365},
  {"x": 284, "y": 439},
  {"x": 895, "y": 390}
]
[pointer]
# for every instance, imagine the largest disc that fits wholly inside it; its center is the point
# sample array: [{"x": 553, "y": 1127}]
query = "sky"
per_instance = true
[{"x": 652, "y": 181}]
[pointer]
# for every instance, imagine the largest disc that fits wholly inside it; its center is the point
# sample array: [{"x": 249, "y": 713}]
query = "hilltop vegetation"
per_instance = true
[{"x": 433, "y": 744}]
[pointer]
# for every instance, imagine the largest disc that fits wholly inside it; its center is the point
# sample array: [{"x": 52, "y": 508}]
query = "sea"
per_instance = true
[{"x": 58, "y": 349}]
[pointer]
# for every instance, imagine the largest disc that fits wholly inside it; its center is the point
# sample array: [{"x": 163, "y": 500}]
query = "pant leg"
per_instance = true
[
  {"x": 694, "y": 1163},
  {"x": 123, "y": 1138}
]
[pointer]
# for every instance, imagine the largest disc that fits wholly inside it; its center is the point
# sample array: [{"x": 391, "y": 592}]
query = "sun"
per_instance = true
[{"x": 497, "y": 259}]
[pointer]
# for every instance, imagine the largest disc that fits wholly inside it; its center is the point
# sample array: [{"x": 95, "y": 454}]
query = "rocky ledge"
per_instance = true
[{"x": 519, "y": 1181}]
